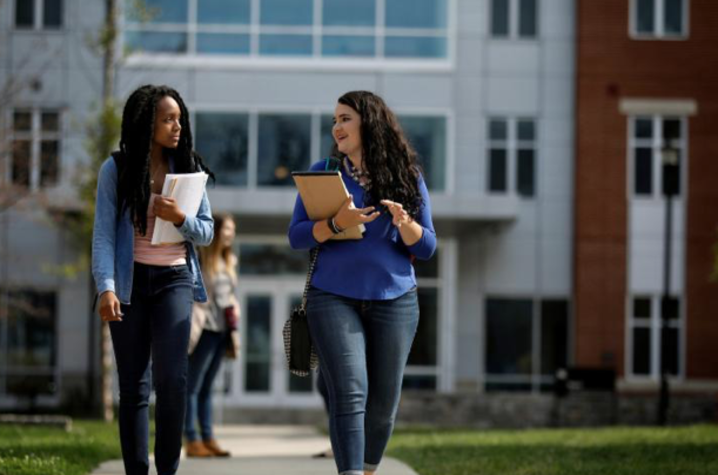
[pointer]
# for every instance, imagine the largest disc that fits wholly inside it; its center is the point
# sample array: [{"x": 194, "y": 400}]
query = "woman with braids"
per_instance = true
[
  {"x": 146, "y": 292},
  {"x": 362, "y": 305}
]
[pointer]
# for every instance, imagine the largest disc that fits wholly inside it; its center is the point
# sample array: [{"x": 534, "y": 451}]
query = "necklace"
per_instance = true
[
  {"x": 359, "y": 176},
  {"x": 152, "y": 175}
]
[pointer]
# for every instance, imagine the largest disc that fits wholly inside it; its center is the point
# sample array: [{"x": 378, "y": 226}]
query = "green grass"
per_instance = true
[
  {"x": 610, "y": 451},
  {"x": 47, "y": 451}
]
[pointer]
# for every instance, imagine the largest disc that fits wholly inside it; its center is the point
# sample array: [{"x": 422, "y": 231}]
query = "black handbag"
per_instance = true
[{"x": 298, "y": 347}]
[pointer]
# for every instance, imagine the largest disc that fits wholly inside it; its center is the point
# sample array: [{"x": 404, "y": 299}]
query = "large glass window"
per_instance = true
[
  {"x": 526, "y": 342},
  {"x": 659, "y": 18},
  {"x": 428, "y": 137},
  {"x": 349, "y": 13},
  {"x": 650, "y": 137},
  {"x": 645, "y": 324},
  {"x": 284, "y": 142},
  {"x": 223, "y": 141},
  {"x": 283, "y": 146},
  {"x": 512, "y": 151},
  {"x": 271, "y": 260},
  {"x": 514, "y": 18},
  {"x": 422, "y": 367},
  {"x": 258, "y": 342},
  {"x": 29, "y": 343},
  {"x": 35, "y": 153},
  {"x": 338, "y": 28},
  {"x": 39, "y": 14}
]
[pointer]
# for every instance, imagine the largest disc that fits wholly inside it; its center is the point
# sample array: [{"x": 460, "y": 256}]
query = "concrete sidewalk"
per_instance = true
[{"x": 264, "y": 450}]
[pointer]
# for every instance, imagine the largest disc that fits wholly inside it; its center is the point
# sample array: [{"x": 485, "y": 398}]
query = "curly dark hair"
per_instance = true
[
  {"x": 387, "y": 155},
  {"x": 133, "y": 158}
]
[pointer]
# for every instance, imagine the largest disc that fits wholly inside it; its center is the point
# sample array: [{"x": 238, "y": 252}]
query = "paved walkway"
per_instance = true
[{"x": 264, "y": 450}]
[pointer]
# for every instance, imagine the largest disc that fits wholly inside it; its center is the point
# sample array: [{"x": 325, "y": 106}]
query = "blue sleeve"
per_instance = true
[
  {"x": 426, "y": 246},
  {"x": 301, "y": 235},
  {"x": 104, "y": 231},
  {"x": 199, "y": 229}
]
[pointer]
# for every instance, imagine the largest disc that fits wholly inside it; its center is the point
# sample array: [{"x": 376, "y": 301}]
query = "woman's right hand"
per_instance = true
[
  {"x": 110, "y": 307},
  {"x": 349, "y": 216}
]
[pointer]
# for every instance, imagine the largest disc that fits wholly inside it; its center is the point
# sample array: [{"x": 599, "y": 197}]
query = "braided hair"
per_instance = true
[
  {"x": 133, "y": 158},
  {"x": 387, "y": 155}
]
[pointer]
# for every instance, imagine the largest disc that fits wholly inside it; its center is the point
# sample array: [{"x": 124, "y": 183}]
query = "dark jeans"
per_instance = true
[
  {"x": 154, "y": 327},
  {"x": 363, "y": 347},
  {"x": 204, "y": 363}
]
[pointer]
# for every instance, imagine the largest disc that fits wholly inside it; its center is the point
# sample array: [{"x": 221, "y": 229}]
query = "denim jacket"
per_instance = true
[{"x": 113, "y": 239}]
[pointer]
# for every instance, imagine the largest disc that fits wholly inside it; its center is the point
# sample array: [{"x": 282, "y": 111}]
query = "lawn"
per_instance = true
[
  {"x": 48, "y": 451},
  {"x": 611, "y": 451}
]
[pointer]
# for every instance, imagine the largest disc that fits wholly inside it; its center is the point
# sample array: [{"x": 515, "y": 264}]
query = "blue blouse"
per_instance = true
[{"x": 376, "y": 267}]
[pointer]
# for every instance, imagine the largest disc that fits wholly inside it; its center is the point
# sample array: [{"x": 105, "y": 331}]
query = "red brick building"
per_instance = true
[{"x": 647, "y": 81}]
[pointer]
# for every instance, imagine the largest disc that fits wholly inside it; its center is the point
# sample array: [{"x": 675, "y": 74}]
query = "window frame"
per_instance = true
[
  {"x": 655, "y": 143},
  {"x": 654, "y": 325},
  {"x": 6, "y": 369},
  {"x": 38, "y": 21},
  {"x": 514, "y": 22},
  {"x": 35, "y": 136},
  {"x": 315, "y": 138},
  {"x": 659, "y": 18},
  {"x": 316, "y": 30},
  {"x": 512, "y": 145},
  {"x": 535, "y": 379}
]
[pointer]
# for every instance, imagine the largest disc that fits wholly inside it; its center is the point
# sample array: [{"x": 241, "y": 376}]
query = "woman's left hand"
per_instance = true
[
  {"x": 398, "y": 213},
  {"x": 166, "y": 208}
]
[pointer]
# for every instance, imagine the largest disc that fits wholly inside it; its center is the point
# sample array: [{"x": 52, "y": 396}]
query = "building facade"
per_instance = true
[
  {"x": 526, "y": 115},
  {"x": 645, "y": 93}
]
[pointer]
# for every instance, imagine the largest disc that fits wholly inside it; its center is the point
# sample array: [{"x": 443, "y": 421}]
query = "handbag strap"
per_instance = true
[{"x": 312, "y": 261}]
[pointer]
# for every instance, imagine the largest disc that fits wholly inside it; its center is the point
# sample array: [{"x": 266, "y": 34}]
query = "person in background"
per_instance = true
[{"x": 214, "y": 326}]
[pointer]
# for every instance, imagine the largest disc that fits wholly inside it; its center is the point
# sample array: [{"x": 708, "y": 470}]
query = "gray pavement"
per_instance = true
[{"x": 264, "y": 450}]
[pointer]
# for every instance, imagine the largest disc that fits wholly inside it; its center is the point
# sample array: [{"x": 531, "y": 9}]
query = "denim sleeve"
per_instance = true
[
  {"x": 199, "y": 229},
  {"x": 425, "y": 247},
  {"x": 301, "y": 235},
  {"x": 104, "y": 230}
]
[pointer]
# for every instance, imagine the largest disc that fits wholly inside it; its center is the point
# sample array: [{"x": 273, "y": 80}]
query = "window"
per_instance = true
[
  {"x": 649, "y": 137},
  {"x": 258, "y": 357},
  {"x": 526, "y": 342},
  {"x": 283, "y": 146},
  {"x": 306, "y": 28},
  {"x": 38, "y": 14},
  {"x": 27, "y": 342},
  {"x": 35, "y": 148},
  {"x": 659, "y": 18},
  {"x": 423, "y": 365},
  {"x": 284, "y": 142},
  {"x": 428, "y": 137},
  {"x": 512, "y": 152},
  {"x": 223, "y": 139},
  {"x": 644, "y": 345},
  {"x": 514, "y": 19}
]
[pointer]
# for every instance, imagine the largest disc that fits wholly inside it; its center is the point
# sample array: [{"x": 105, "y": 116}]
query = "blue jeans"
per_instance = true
[
  {"x": 204, "y": 363},
  {"x": 363, "y": 347},
  {"x": 155, "y": 327}
]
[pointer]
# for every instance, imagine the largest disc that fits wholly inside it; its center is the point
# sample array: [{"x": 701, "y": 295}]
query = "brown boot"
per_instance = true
[
  {"x": 196, "y": 448},
  {"x": 212, "y": 446}
]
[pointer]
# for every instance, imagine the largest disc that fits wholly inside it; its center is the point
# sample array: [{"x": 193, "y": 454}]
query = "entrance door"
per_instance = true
[{"x": 259, "y": 377}]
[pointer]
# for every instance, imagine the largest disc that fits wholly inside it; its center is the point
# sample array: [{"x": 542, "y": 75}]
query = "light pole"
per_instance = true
[{"x": 670, "y": 158}]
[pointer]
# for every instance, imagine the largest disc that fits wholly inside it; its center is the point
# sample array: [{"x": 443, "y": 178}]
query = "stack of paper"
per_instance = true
[{"x": 187, "y": 189}]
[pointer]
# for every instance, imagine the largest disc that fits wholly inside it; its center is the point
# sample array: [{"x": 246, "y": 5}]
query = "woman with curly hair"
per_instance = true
[
  {"x": 362, "y": 305},
  {"x": 146, "y": 292}
]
